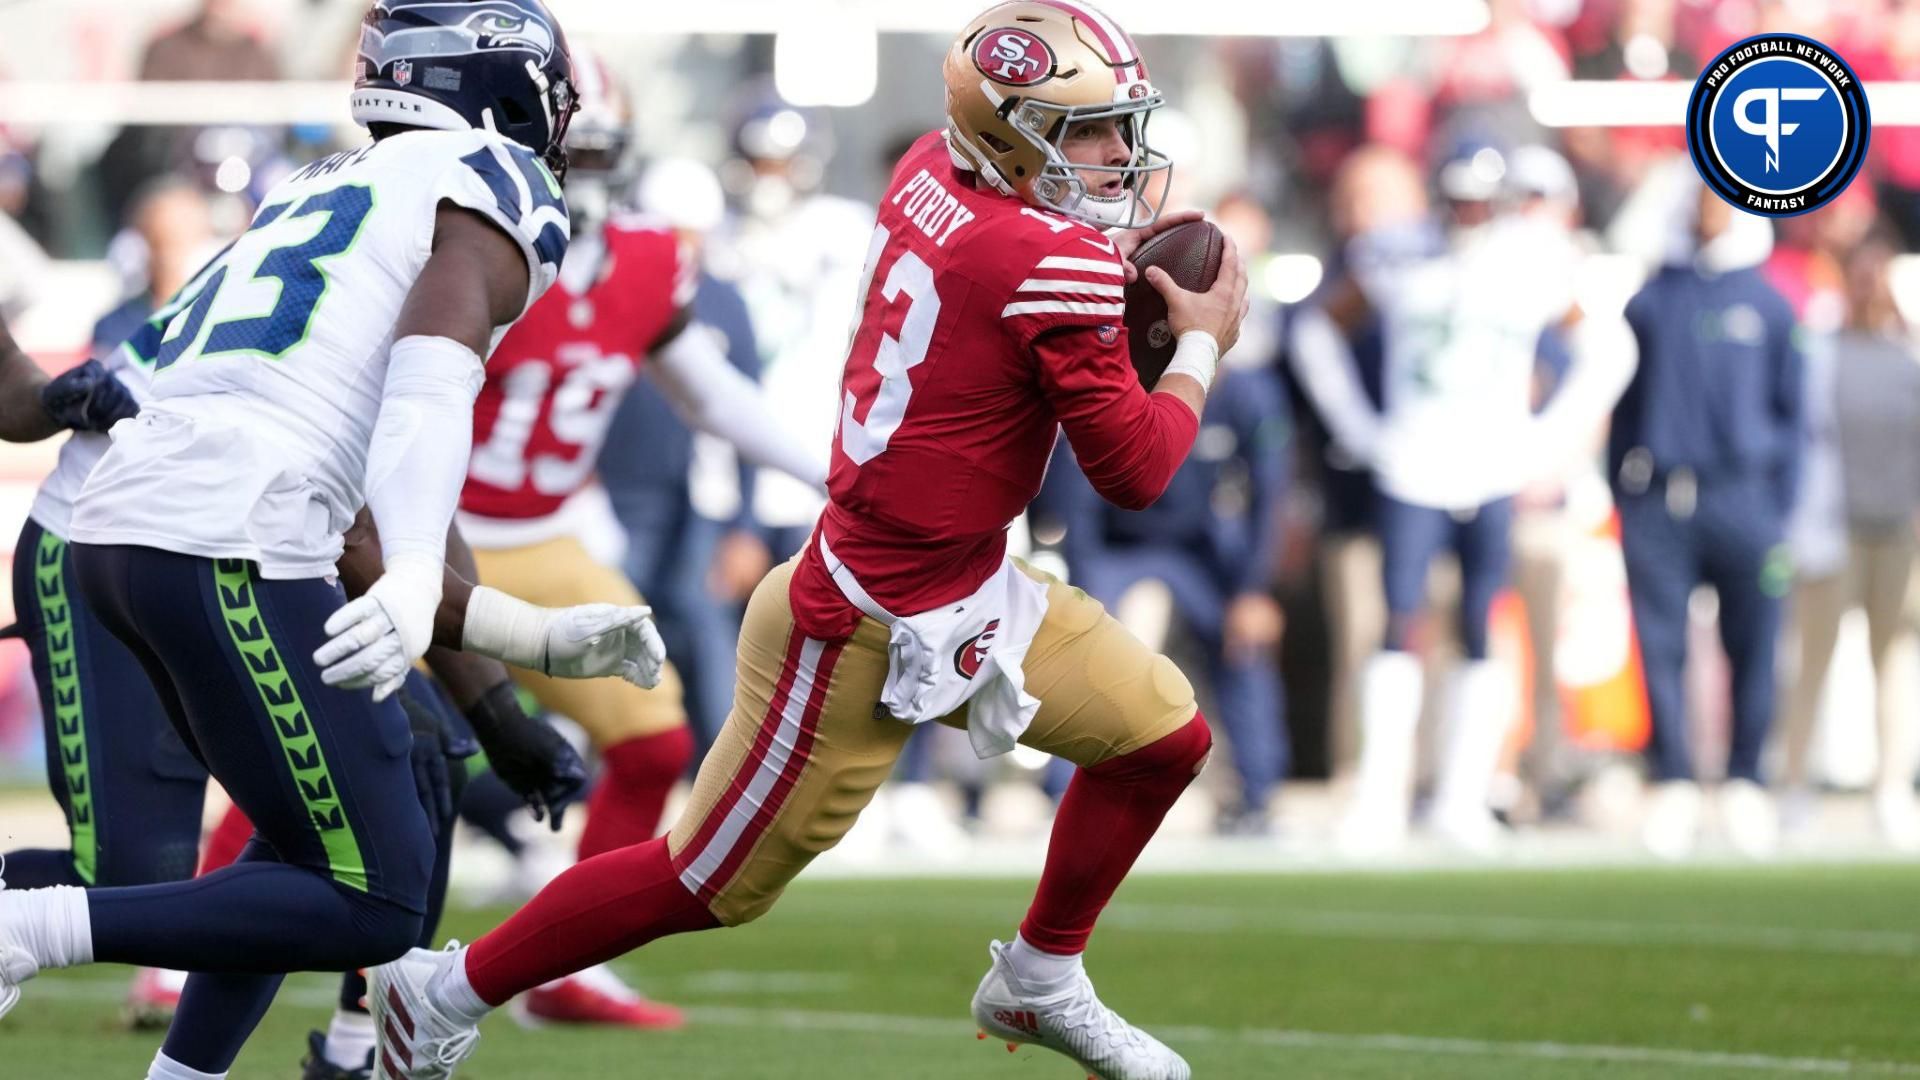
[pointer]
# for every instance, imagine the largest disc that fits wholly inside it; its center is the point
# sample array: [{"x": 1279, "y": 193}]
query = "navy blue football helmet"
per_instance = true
[{"x": 499, "y": 65}]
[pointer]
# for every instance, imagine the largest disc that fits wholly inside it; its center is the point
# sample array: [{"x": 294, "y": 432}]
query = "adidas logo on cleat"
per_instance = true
[{"x": 1019, "y": 1020}]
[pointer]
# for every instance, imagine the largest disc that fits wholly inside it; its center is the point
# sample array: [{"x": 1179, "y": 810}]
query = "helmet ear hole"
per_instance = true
[{"x": 513, "y": 111}]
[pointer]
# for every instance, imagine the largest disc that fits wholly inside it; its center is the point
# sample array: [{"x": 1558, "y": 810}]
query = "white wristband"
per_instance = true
[
  {"x": 505, "y": 628},
  {"x": 1197, "y": 357}
]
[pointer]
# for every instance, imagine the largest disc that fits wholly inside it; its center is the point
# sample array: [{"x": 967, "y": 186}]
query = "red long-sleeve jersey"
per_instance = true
[{"x": 985, "y": 326}]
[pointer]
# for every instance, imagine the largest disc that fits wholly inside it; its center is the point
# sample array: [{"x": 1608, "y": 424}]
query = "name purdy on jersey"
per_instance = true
[
  {"x": 555, "y": 381},
  {"x": 267, "y": 381}
]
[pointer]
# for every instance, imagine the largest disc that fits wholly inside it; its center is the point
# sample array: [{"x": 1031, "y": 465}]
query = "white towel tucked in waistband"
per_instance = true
[{"x": 967, "y": 653}]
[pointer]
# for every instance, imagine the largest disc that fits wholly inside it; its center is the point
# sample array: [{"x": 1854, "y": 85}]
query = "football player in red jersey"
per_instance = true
[
  {"x": 992, "y": 317},
  {"x": 551, "y": 389}
]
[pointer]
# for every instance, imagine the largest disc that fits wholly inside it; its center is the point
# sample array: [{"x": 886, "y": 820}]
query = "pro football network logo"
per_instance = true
[
  {"x": 1013, "y": 57},
  {"x": 1778, "y": 125}
]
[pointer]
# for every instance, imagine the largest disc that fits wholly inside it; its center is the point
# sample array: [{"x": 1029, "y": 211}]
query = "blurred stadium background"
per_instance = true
[{"x": 135, "y": 135}]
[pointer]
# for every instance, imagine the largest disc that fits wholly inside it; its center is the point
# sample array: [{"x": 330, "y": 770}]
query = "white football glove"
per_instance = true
[
  {"x": 586, "y": 641},
  {"x": 591, "y": 640},
  {"x": 373, "y": 641}
]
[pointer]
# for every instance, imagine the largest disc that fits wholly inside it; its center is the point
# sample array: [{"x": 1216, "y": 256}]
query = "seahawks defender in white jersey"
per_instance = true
[
  {"x": 1461, "y": 312},
  {"x": 329, "y": 362}
]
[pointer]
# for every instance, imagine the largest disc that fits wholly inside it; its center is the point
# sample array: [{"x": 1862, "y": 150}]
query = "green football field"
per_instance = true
[{"x": 1537, "y": 974}]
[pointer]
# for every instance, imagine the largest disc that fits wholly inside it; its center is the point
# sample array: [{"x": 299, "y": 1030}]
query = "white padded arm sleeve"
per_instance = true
[
  {"x": 417, "y": 461},
  {"x": 692, "y": 370}
]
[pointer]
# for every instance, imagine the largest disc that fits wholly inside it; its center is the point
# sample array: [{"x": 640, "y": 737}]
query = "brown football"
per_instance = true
[{"x": 1190, "y": 254}]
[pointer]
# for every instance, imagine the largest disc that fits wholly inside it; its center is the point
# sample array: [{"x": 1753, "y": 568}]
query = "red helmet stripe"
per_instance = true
[{"x": 1113, "y": 40}]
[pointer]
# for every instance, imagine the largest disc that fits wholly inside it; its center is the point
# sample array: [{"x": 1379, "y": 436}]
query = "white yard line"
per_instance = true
[
  {"x": 884, "y": 1024},
  {"x": 102, "y": 990}
]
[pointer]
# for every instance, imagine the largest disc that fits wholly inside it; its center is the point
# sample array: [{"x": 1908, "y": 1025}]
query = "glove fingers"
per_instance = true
[
  {"x": 366, "y": 666},
  {"x": 596, "y": 620},
  {"x": 387, "y": 684},
  {"x": 355, "y": 611}
]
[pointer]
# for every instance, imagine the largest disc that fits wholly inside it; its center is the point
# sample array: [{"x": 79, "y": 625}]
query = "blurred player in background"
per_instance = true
[
  {"x": 1865, "y": 400},
  {"x": 172, "y": 225},
  {"x": 1213, "y": 540},
  {"x": 684, "y": 497},
  {"x": 796, "y": 254},
  {"x": 1704, "y": 455},
  {"x": 1378, "y": 189},
  {"x": 1545, "y": 527},
  {"x": 622, "y": 301},
  {"x": 1462, "y": 308},
  {"x": 992, "y": 317}
]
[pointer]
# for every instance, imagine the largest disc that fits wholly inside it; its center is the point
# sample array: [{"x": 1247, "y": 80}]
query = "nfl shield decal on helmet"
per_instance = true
[
  {"x": 1014, "y": 57},
  {"x": 402, "y": 72}
]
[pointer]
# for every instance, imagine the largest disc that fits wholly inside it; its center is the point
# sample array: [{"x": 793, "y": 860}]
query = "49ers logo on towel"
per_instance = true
[
  {"x": 973, "y": 651},
  {"x": 1014, "y": 57}
]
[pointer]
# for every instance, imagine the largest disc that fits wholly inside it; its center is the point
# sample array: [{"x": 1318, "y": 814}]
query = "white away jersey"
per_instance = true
[
  {"x": 266, "y": 383},
  {"x": 1461, "y": 330}
]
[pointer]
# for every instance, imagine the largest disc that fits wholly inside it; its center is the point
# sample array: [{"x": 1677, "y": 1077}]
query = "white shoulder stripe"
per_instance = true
[
  {"x": 1061, "y": 307},
  {"x": 1076, "y": 288},
  {"x": 1087, "y": 266}
]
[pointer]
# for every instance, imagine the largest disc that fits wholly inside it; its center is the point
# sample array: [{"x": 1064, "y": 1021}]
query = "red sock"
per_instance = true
[
  {"x": 1107, "y": 816},
  {"x": 627, "y": 803},
  {"x": 226, "y": 841},
  {"x": 604, "y": 907}
]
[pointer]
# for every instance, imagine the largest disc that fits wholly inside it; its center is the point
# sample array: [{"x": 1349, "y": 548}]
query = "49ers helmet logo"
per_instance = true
[
  {"x": 973, "y": 651},
  {"x": 1014, "y": 57}
]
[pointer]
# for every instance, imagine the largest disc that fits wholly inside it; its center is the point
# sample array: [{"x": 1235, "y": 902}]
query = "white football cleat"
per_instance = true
[
  {"x": 1753, "y": 825},
  {"x": 1672, "y": 824},
  {"x": 416, "y": 1041},
  {"x": 1897, "y": 815},
  {"x": 1070, "y": 1022}
]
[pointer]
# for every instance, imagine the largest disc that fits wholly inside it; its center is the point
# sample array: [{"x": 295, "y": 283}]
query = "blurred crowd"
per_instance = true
[{"x": 1532, "y": 460}]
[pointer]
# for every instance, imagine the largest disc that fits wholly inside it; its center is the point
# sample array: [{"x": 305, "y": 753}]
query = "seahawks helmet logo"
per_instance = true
[{"x": 484, "y": 28}]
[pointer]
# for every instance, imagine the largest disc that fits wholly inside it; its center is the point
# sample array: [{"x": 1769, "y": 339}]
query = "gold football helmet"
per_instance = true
[{"x": 1024, "y": 72}]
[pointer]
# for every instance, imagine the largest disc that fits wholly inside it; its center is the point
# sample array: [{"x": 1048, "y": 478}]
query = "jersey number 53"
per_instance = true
[{"x": 286, "y": 245}]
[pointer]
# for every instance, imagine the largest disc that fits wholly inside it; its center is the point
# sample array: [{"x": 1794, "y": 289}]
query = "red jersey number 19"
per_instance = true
[{"x": 877, "y": 350}]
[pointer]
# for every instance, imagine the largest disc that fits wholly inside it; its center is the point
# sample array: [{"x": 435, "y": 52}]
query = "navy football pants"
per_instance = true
[
  {"x": 1410, "y": 537},
  {"x": 1728, "y": 538},
  {"x": 338, "y": 873},
  {"x": 131, "y": 792}
]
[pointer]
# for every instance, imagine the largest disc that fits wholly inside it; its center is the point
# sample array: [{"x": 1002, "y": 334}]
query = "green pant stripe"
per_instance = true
[
  {"x": 291, "y": 722},
  {"x": 69, "y": 717}
]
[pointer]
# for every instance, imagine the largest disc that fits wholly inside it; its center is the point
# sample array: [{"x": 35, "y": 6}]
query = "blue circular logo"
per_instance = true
[{"x": 1778, "y": 125}]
